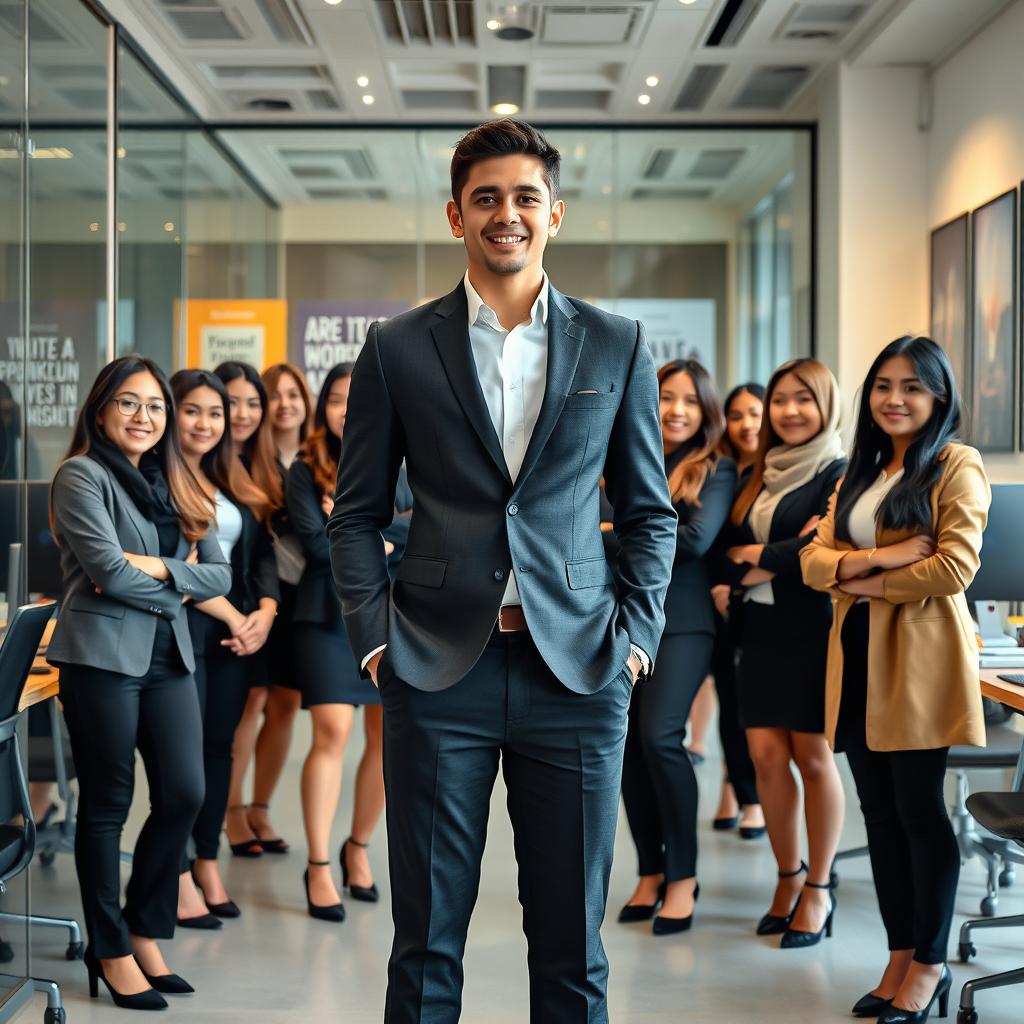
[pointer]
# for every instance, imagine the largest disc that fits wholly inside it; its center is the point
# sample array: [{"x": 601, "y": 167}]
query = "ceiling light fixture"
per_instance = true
[
  {"x": 505, "y": 109},
  {"x": 94, "y": 226},
  {"x": 368, "y": 100},
  {"x": 643, "y": 99},
  {"x": 506, "y": 89},
  {"x": 652, "y": 81},
  {"x": 362, "y": 81},
  {"x": 494, "y": 24},
  {"x": 687, "y": 3},
  {"x": 169, "y": 227},
  {"x": 332, "y": 3}
]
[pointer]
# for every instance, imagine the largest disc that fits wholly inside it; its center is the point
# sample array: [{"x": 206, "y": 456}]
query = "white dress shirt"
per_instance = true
[{"x": 862, "y": 521}]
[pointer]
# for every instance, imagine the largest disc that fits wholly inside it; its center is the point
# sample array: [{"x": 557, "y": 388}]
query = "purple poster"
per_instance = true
[{"x": 324, "y": 333}]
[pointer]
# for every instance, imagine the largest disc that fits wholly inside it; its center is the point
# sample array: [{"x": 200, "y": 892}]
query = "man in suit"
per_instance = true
[{"x": 506, "y": 637}]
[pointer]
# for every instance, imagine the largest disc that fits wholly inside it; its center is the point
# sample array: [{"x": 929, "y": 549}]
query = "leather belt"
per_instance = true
[{"x": 512, "y": 620}]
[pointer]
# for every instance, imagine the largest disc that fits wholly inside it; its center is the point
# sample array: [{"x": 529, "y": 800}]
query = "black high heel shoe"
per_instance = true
[
  {"x": 366, "y": 893},
  {"x": 795, "y": 939},
  {"x": 171, "y": 984},
  {"x": 147, "y": 1000},
  {"x": 776, "y": 924},
  {"x": 631, "y": 914},
  {"x": 273, "y": 845},
  {"x": 896, "y": 1015},
  {"x": 725, "y": 824},
  {"x": 675, "y": 925},
  {"x": 228, "y": 909},
  {"x": 870, "y": 1006},
  {"x": 248, "y": 848},
  {"x": 335, "y": 912}
]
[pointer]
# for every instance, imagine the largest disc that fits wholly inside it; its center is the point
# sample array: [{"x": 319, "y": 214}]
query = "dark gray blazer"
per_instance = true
[
  {"x": 115, "y": 630},
  {"x": 416, "y": 396}
]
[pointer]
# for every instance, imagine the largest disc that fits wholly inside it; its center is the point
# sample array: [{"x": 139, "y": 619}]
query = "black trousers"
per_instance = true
[
  {"x": 659, "y": 786},
  {"x": 738, "y": 765},
  {"x": 108, "y": 716},
  {"x": 915, "y": 860},
  {"x": 561, "y": 757},
  {"x": 222, "y": 683}
]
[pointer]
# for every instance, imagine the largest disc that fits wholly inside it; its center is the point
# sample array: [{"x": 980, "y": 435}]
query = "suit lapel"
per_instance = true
[
  {"x": 147, "y": 531},
  {"x": 565, "y": 343},
  {"x": 451, "y": 337}
]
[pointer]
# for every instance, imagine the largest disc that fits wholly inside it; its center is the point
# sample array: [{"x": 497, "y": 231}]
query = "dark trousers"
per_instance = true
[
  {"x": 738, "y": 765},
  {"x": 915, "y": 860},
  {"x": 561, "y": 757},
  {"x": 659, "y": 786},
  {"x": 222, "y": 683},
  {"x": 108, "y": 715}
]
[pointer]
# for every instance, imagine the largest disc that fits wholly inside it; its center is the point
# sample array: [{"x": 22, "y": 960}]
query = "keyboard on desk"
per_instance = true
[{"x": 1017, "y": 680}]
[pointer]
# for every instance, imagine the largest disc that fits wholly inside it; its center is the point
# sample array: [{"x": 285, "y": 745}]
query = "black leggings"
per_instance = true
[
  {"x": 659, "y": 787},
  {"x": 915, "y": 860},
  {"x": 108, "y": 715},
  {"x": 738, "y": 765}
]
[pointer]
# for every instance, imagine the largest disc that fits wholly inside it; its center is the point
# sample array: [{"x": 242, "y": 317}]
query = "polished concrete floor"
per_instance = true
[{"x": 276, "y": 965}]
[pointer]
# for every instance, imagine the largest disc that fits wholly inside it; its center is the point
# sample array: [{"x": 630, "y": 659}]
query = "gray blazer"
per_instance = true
[{"x": 115, "y": 629}]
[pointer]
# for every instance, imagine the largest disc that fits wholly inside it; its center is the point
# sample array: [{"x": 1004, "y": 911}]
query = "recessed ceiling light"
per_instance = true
[
  {"x": 643, "y": 99},
  {"x": 332, "y": 3},
  {"x": 94, "y": 226},
  {"x": 362, "y": 81},
  {"x": 122, "y": 227},
  {"x": 687, "y": 2},
  {"x": 652, "y": 81},
  {"x": 368, "y": 100},
  {"x": 505, "y": 109},
  {"x": 169, "y": 227},
  {"x": 494, "y": 24},
  {"x": 122, "y": 152}
]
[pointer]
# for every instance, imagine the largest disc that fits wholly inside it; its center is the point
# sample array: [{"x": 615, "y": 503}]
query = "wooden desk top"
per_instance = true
[
  {"x": 39, "y": 687},
  {"x": 997, "y": 689}
]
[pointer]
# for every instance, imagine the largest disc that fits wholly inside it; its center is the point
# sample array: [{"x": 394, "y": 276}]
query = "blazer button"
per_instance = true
[
  {"x": 513, "y": 509},
  {"x": 499, "y": 575}
]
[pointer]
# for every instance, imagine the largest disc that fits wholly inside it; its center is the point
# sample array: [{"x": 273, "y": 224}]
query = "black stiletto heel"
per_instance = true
[
  {"x": 896, "y": 1015},
  {"x": 776, "y": 924},
  {"x": 675, "y": 925},
  {"x": 225, "y": 910},
  {"x": 147, "y": 1000},
  {"x": 631, "y": 914},
  {"x": 249, "y": 848},
  {"x": 795, "y": 939},
  {"x": 366, "y": 893},
  {"x": 273, "y": 845},
  {"x": 335, "y": 912}
]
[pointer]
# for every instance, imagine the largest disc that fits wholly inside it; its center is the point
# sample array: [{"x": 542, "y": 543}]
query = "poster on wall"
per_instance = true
[
  {"x": 949, "y": 297},
  {"x": 675, "y": 328},
  {"x": 994, "y": 323},
  {"x": 326, "y": 332},
  {"x": 246, "y": 330}
]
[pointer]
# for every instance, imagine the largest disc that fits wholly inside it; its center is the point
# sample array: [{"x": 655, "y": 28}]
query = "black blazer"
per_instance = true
[
  {"x": 253, "y": 577},
  {"x": 416, "y": 396},
  {"x": 796, "y": 604}
]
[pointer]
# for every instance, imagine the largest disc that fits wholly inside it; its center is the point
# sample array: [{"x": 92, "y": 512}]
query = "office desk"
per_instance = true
[{"x": 1011, "y": 696}]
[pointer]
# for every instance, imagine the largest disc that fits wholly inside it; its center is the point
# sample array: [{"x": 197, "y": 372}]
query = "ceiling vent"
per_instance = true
[
  {"x": 770, "y": 88},
  {"x": 201, "y": 22},
  {"x": 439, "y": 99},
  {"x": 426, "y": 22},
  {"x": 732, "y": 24},
  {"x": 270, "y": 104},
  {"x": 356, "y": 163},
  {"x": 587, "y": 25},
  {"x": 310, "y": 173},
  {"x": 670, "y": 193},
  {"x": 716, "y": 164},
  {"x": 286, "y": 21},
  {"x": 572, "y": 99},
  {"x": 322, "y": 99},
  {"x": 296, "y": 74},
  {"x": 376, "y": 194},
  {"x": 816, "y": 21},
  {"x": 657, "y": 167},
  {"x": 700, "y": 83}
]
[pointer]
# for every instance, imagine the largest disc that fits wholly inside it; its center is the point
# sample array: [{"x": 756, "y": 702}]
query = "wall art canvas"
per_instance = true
[{"x": 949, "y": 297}]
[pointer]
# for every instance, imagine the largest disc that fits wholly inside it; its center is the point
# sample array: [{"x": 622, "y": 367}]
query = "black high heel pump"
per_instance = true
[
  {"x": 796, "y": 939},
  {"x": 366, "y": 893},
  {"x": 147, "y": 1000},
  {"x": 675, "y": 925},
  {"x": 896, "y": 1015},
  {"x": 334, "y": 912},
  {"x": 776, "y": 924},
  {"x": 630, "y": 914},
  {"x": 171, "y": 984}
]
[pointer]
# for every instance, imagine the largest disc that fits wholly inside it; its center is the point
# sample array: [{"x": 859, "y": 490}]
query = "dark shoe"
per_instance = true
[
  {"x": 675, "y": 925},
  {"x": 250, "y": 848},
  {"x": 335, "y": 912},
  {"x": 631, "y": 914},
  {"x": 774, "y": 924},
  {"x": 48, "y": 814},
  {"x": 794, "y": 939},
  {"x": 870, "y": 1006},
  {"x": 273, "y": 845},
  {"x": 205, "y": 922},
  {"x": 228, "y": 909},
  {"x": 895, "y": 1015},
  {"x": 147, "y": 1000},
  {"x": 365, "y": 893},
  {"x": 172, "y": 984},
  {"x": 752, "y": 832},
  {"x": 724, "y": 824}
]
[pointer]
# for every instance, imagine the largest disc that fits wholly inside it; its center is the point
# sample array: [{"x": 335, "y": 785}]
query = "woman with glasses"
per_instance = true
[{"x": 132, "y": 525}]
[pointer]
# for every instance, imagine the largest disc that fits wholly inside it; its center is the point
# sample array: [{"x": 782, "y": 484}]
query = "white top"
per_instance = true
[
  {"x": 862, "y": 520},
  {"x": 762, "y": 593},
  {"x": 229, "y": 524},
  {"x": 512, "y": 367}
]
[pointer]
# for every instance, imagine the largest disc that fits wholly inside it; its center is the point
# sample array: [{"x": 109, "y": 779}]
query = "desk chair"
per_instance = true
[
  {"x": 17, "y": 841},
  {"x": 49, "y": 760},
  {"x": 1003, "y": 815}
]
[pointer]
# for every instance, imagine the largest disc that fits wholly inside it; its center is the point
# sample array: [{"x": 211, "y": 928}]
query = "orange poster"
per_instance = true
[{"x": 247, "y": 330}]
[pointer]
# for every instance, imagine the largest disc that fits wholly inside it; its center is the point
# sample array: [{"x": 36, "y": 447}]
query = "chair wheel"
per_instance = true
[
  {"x": 988, "y": 906},
  {"x": 967, "y": 950},
  {"x": 833, "y": 879},
  {"x": 1007, "y": 878},
  {"x": 55, "y": 1015},
  {"x": 967, "y": 1017},
  {"x": 75, "y": 951},
  {"x": 47, "y": 858}
]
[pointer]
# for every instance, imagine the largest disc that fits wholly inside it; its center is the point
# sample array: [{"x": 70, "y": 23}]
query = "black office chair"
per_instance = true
[
  {"x": 1003, "y": 815},
  {"x": 18, "y": 833}
]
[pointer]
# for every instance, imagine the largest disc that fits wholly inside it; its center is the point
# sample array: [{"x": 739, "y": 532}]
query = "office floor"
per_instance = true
[{"x": 276, "y": 965}]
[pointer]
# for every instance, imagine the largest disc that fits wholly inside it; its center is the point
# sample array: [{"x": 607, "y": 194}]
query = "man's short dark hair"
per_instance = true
[{"x": 504, "y": 137}]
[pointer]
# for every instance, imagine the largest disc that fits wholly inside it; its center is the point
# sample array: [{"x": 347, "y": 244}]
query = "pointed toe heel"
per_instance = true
[
  {"x": 793, "y": 938},
  {"x": 334, "y": 912},
  {"x": 170, "y": 984},
  {"x": 896, "y": 1015},
  {"x": 675, "y": 925},
  {"x": 363, "y": 893},
  {"x": 870, "y": 1006},
  {"x": 776, "y": 924},
  {"x": 149, "y": 999}
]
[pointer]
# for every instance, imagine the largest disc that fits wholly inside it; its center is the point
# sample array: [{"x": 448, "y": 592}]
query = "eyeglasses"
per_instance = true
[{"x": 130, "y": 406}]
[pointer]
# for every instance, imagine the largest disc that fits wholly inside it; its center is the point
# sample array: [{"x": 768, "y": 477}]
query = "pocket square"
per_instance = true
[{"x": 587, "y": 391}]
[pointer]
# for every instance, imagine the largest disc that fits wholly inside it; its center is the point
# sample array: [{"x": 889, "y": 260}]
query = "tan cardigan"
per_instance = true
[{"x": 923, "y": 685}]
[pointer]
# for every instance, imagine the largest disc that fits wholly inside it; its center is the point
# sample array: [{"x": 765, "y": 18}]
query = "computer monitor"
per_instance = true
[
  {"x": 40, "y": 554},
  {"x": 1001, "y": 575}
]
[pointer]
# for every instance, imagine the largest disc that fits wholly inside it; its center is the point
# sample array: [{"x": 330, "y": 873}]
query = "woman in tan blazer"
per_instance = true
[{"x": 899, "y": 546}]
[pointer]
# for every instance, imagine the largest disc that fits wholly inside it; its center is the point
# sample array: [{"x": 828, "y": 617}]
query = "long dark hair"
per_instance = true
[
  {"x": 193, "y": 506},
  {"x": 908, "y": 504},
  {"x": 726, "y": 447},
  {"x": 220, "y": 464},
  {"x": 686, "y": 479},
  {"x": 322, "y": 450}
]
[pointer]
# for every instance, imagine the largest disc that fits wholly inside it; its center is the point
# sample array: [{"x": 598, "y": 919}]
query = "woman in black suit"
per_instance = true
[
  {"x": 226, "y": 630},
  {"x": 132, "y": 525},
  {"x": 783, "y": 640},
  {"x": 659, "y": 786}
]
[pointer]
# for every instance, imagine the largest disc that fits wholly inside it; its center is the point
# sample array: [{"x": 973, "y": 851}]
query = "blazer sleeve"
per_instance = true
[
  {"x": 782, "y": 557},
  {"x": 695, "y": 538},
  {"x": 85, "y": 524},
  {"x": 645, "y": 522},
  {"x": 264, "y": 565},
  {"x": 306, "y": 514},
  {"x": 963, "y": 500},
  {"x": 819, "y": 560},
  {"x": 209, "y": 577}
]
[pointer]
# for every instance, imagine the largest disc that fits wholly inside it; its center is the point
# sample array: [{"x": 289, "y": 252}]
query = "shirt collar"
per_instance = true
[{"x": 477, "y": 306}]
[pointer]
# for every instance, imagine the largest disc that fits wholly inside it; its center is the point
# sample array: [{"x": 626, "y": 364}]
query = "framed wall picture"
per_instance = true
[
  {"x": 994, "y": 324},
  {"x": 949, "y": 306}
]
